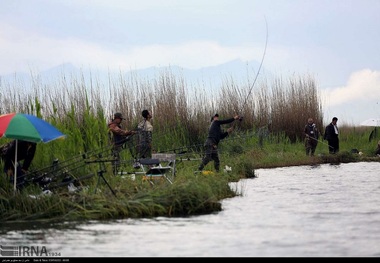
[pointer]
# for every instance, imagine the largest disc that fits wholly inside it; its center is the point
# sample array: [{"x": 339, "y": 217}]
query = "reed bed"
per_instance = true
[{"x": 270, "y": 135}]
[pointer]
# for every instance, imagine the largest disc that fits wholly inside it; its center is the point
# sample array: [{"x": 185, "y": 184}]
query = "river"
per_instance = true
[{"x": 304, "y": 211}]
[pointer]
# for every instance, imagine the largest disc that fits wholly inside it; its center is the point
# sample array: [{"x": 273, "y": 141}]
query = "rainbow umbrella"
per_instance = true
[{"x": 27, "y": 127}]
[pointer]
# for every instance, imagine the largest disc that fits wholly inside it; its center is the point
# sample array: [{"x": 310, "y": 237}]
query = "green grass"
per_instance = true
[{"x": 270, "y": 135}]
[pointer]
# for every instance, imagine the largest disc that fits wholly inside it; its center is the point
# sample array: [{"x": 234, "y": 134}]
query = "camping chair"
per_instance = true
[{"x": 160, "y": 166}]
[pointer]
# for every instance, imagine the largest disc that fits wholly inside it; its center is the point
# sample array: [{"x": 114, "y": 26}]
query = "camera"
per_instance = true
[{"x": 240, "y": 118}]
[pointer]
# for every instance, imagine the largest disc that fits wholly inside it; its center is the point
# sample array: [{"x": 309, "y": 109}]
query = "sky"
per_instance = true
[{"x": 335, "y": 41}]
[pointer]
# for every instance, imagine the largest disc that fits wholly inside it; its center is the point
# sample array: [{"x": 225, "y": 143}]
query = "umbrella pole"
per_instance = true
[{"x": 15, "y": 170}]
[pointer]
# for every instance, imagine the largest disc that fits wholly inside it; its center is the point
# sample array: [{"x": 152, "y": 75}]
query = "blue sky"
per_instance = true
[{"x": 336, "y": 41}]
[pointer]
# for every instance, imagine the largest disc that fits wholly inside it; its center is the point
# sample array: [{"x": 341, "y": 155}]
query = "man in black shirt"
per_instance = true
[{"x": 215, "y": 135}]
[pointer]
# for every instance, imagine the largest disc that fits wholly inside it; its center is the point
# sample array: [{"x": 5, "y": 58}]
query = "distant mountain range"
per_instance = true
[{"x": 236, "y": 70}]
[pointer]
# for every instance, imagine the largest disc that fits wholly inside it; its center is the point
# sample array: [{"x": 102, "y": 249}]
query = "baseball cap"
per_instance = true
[
  {"x": 118, "y": 115},
  {"x": 216, "y": 115}
]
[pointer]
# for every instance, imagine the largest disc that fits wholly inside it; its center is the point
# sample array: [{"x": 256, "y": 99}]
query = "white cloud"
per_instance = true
[
  {"x": 362, "y": 85},
  {"x": 358, "y": 100},
  {"x": 191, "y": 55},
  {"x": 133, "y": 5},
  {"x": 25, "y": 50}
]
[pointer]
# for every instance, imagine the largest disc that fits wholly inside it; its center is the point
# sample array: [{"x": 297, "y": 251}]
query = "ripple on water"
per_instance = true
[{"x": 306, "y": 211}]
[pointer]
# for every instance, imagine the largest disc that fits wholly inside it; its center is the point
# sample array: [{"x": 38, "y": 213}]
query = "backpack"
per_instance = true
[{"x": 4, "y": 149}]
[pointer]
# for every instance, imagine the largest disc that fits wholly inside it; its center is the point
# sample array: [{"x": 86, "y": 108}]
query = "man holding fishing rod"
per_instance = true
[
  {"x": 119, "y": 137},
  {"x": 215, "y": 134},
  {"x": 312, "y": 135}
]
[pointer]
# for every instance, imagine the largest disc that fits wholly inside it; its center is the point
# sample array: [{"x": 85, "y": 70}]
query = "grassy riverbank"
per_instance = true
[
  {"x": 270, "y": 135},
  {"x": 190, "y": 194}
]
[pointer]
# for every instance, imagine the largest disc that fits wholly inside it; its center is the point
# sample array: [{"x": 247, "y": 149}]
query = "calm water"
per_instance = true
[{"x": 308, "y": 211}]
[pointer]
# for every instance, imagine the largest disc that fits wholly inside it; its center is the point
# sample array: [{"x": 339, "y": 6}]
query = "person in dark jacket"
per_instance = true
[
  {"x": 378, "y": 149},
  {"x": 215, "y": 135},
  {"x": 25, "y": 153},
  {"x": 331, "y": 135},
  {"x": 311, "y": 137}
]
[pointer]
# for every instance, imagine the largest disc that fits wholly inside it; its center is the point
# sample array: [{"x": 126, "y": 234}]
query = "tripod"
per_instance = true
[{"x": 100, "y": 174}]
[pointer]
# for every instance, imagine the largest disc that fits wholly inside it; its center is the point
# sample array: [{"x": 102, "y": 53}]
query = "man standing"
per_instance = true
[
  {"x": 311, "y": 140},
  {"x": 215, "y": 134},
  {"x": 331, "y": 135},
  {"x": 145, "y": 130},
  {"x": 119, "y": 137},
  {"x": 377, "y": 153},
  {"x": 25, "y": 152}
]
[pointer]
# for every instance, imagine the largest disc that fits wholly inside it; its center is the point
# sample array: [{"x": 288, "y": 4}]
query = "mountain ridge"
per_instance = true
[{"x": 214, "y": 75}]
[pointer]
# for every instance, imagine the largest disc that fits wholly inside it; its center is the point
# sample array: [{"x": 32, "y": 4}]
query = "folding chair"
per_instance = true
[{"x": 155, "y": 168}]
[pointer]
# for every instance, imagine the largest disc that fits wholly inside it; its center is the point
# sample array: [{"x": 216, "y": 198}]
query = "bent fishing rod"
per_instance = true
[
  {"x": 257, "y": 74},
  {"x": 261, "y": 64}
]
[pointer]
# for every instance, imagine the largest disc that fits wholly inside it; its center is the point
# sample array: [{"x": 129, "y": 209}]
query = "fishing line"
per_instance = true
[{"x": 261, "y": 64}]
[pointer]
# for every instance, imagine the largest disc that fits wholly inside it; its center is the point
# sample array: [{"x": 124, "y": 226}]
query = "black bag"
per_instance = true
[{"x": 4, "y": 149}]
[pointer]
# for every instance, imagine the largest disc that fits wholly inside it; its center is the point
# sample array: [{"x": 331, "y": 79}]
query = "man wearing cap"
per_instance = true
[
  {"x": 118, "y": 135},
  {"x": 215, "y": 134}
]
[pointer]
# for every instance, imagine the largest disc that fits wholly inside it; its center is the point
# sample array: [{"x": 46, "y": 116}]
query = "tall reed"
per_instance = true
[{"x": 275, "y": 114}]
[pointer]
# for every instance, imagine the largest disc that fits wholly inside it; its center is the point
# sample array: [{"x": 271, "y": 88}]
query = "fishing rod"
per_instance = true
[
  {"x": 184, "y": 151},
  {"x": 76, "y": 160},
  {"x": 257, "y": 74},
  {"x": 64, "y": 170},
  {"x": 321, "y": 142},
  {"x": 261, "y": 64}
]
